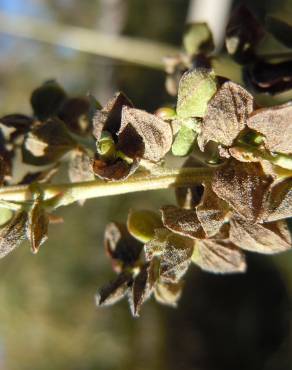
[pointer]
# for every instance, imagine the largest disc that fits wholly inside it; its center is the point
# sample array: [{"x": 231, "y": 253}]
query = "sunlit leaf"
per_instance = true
[
  {"x": 156, "y": 134},
  {"x": 218, "y": 256},
  {"x": 226, "y": 115},
  {"x": 212, "y": 211},
  {"x": 275, "y": 123},
  {"x": 196, "y": 88},
  {"x": 243, "y": 186},
  {"x": 182, "y": 221},
  {"x": 268, "y": 238}
]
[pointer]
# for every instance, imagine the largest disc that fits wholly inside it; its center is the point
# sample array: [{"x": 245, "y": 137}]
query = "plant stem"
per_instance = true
[{"x": 71, "y": 192}]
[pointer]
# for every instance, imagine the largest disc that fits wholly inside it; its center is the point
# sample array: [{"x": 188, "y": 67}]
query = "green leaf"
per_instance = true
[
  {"x": 280, "y": 29},
  {"x": 142, "y": 224},
  {"x": 198, "y": 38},
  {"x": 184, "y": 141},
  {"x": 196, "y": 88}
]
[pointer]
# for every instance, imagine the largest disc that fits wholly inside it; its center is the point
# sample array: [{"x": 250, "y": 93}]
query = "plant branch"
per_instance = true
[
  {"x": 67, "y": 193},
  {"x": 126, "y": 49}
]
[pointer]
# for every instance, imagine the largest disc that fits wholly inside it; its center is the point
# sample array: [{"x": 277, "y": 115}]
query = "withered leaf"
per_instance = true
[
  {"x": 74, "y": 113},
  {"x": 13, "y": 233},
  {"x": 278, "y": 204},
  {"x": 182, "y": 221},
  {"x": 218, "y": 256},
  {"x": 168, "y": 293},
  {"x": 122, "y": 248},
  {"x": 47, "y": 99},
  {"x": 143, "y": 285},
  {"x": 80, "y": 168},
  {"x": 47, "y": 143},
  {"x": 37, "y": 226},
  {"x": 174, "y": 252},
  {"x": 113, "y": 291},
  {"x": 141, "y": 224},
  {"x": 268, "y": 238},
  {"x": 212, "y": 211},
  {"x": 20, "y": 122},
  {"x": 271, "y": 78},
  {"x": 275, "y": 123},
  {"x": 115, "y": 171},
  {"x": 109, "y": 117},
  {"x": 155, "y": 133},
  {"x": 196, "y": 88},
  {"x": 243, "y": 33},
  {"x": 243, "y": 186},
  {"x": 226, "y": 115}
]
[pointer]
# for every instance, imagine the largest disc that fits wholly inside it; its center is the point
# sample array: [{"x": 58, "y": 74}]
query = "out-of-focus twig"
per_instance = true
[{"x": 138, "y": 51}]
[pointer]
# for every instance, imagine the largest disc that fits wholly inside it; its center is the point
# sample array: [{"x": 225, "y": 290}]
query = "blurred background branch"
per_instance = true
[{"x": 127, "y": 49}]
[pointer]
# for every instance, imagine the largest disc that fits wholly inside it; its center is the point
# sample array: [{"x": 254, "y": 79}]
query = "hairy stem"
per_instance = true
[{"x": 64, "y": 194}]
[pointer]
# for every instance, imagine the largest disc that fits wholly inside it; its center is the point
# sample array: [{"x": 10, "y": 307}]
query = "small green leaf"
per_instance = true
[
  {"x": 142, "y": 224},
  {"x": 198, "y": 38},
  {"x": 184, "y": 141},
  {"x": 196, "y": 88}
]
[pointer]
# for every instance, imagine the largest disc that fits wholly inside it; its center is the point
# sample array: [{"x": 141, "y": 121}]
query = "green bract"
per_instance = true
[{"x": 196, "y": 88}]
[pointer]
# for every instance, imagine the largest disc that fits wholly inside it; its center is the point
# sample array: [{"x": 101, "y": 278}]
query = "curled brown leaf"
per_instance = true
[
  {"x": 275, "y": 123},
  {"x": 243, "y": 186},
  {"x": 268, "y": 238},
  {"x": 218, "y": 256},
  {"x": 182, "y": 221},
  {"x": 226, "y": 115},
  {"x": 212, "y": 211},
  {"x": 13, "y": 233}
]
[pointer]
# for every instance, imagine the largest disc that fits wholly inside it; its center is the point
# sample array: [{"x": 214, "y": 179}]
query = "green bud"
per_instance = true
[
  {"x": 142, "y": 224},
  {"x": 106, "y": 146},
  {"x": 184, "y": 141},
  {"x": 165, "y": 113}
]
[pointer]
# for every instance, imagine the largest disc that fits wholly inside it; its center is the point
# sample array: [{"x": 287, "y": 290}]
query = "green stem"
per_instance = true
[{"x": 71, "y": 192}]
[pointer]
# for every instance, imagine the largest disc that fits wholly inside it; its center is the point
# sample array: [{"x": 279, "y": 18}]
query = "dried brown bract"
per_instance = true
[
  {"x": 226, "y": 115},
  {"x": 275, "y": 123}
]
